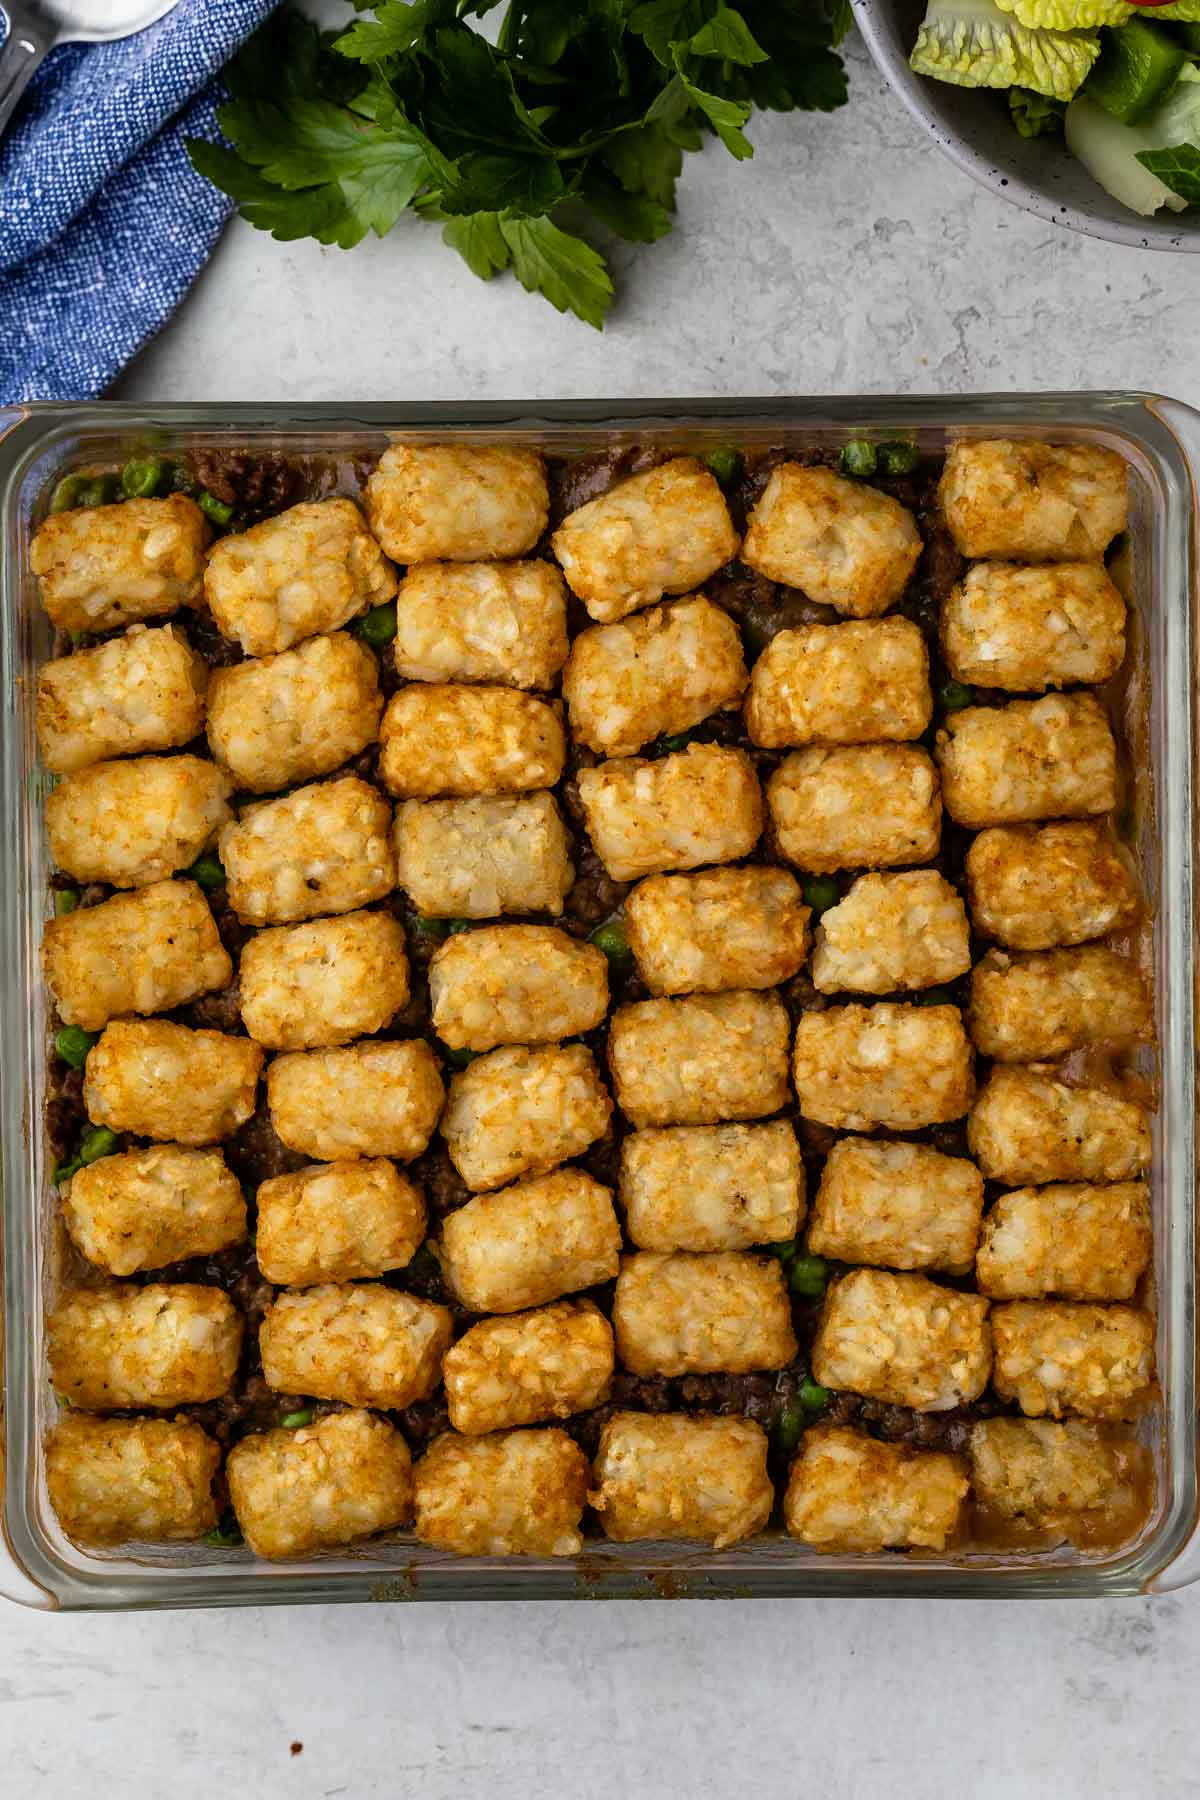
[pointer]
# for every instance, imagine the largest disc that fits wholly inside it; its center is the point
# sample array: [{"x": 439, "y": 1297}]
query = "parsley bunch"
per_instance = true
[{"x": 576, "y": 110}]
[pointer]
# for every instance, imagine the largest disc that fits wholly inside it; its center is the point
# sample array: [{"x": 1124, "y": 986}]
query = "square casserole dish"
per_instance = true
[{"x": 1160, "y": 439}]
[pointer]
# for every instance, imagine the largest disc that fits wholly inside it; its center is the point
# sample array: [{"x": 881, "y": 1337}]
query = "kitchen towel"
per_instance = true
[{"x": 104, "y": 224}]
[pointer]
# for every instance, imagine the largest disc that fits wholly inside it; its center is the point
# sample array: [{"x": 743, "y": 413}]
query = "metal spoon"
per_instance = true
[{"x": 36, "y": 26}]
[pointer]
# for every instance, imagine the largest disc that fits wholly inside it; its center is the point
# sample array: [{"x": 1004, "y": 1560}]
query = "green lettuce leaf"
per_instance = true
[{"x": 974, "y": 43}]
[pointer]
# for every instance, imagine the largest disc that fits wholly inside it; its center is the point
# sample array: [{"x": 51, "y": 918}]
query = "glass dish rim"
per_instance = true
[{"x": 1161, "y": 432}]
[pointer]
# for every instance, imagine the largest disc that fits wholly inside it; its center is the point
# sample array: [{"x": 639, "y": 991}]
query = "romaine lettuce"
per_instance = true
[{"x": 975, "y": 43}]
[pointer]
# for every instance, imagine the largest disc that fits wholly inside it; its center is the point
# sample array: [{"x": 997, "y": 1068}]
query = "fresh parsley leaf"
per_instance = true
[
  {"x": 397, "y": 27},
  {"x": 570, "y": 274},
  {"x": 322, "y": 213},
  {"x": 314, "y": 141},
  {"x": 665, "y": 23},
  {"x": 725, "y": 116},
  {"x": 498, "y": 183},
  {"x": 646, "y": 161},
  {"x": 727, "y": 35},
  {"x": 630, "y": 215},
  {"x": 480, "y": 242},
  {"x": 1178, "y": 168}
]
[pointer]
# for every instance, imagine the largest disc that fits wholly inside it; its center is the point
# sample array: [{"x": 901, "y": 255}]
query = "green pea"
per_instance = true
[
  {"x": 73, "y": 1044},
  {"x": 954, "y": 695},
  {"x": 226, "y": 1530},
  {"x": 725, "y": 463},
  {"x": 459, "y": 1058},
  {"x": 101, "y": 490},
  {"x": 65, "y": 1170},
  {"x": 378, "y": 626},
  {"x": 813, "y": 1397},
  {"x": 935, "y": 996},
  {"x": 784, "y": 1250},
  {"x": 672, "y": 741},
  {"x": 219, "y": 511},
  {"x": 65, "y": 901},
  {"x": 808, "y": 1277},
  {"x": 899, "y": 456},
  {"x": 820, "y": 893},
  {"x": 141, "y": 478},
  {"x": 66, "y": 494},
  {"x": 611, "y": 938},
  {"x": 857, "y": 458},
  {"x": 294, "y": 1420},
  {"x": 790, "y": 1428},
  {"x": 97, "y": 1142},
  {"x": 208, "y": 870}
]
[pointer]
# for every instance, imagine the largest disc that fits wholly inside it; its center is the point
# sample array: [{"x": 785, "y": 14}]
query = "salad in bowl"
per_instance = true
[{"x": 1119, "y": 80}]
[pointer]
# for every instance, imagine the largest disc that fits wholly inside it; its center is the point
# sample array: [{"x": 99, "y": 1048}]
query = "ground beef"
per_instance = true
[
  {"x": 948, "y": 1430},
  {"x": 595, "y": 896},
  {"x": 214, "y": 1012},
  {"x": 255, "y": 1153},
  {"x": 233, "y": 934},
  {"x": 444, "y": 1188},
  {"x": 258, "y": 484},
  {"x": 584, "y": 478},
  {"x": 218, "y": 652},
  {"x": 64, "y": 1113}
]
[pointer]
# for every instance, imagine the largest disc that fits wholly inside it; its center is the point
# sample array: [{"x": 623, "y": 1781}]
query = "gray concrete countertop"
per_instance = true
[{"x": 849, "y": 256}]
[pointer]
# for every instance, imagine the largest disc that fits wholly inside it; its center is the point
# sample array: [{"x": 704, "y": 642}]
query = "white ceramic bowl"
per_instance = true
[{"x": 972, "y": 126}]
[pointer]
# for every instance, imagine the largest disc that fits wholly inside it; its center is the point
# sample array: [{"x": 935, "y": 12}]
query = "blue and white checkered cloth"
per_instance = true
[{"x": 104, "y": 224}]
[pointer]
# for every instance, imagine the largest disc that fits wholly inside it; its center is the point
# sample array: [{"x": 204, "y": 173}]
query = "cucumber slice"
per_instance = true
[
  {"x": 1138, "y": 65},
  {"x": 1108, "y": 151}
]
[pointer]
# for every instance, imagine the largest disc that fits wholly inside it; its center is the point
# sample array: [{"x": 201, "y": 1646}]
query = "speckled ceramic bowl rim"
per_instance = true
[{"x": 911, "y": 90}]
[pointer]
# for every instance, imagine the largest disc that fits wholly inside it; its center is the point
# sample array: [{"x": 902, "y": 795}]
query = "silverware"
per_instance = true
[{"x": 36, "y": 26}]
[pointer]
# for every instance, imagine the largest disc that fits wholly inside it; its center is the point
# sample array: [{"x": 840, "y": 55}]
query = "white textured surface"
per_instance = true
[{"x": 848, "y": 257}]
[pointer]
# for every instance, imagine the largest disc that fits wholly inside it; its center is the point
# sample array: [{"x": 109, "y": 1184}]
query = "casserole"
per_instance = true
[{"x": 1156, "y": 438}]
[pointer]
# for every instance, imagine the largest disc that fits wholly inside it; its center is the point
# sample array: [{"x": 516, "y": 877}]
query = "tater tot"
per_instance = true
[
  {"x": 862, "y": 682},
  {"x": 722, "y": 928},
  {"x": 661, "y": 532},
  {"x": 482, "y": 621},
  {"x": 142, "y": 952},
  {"x": 699, "y": 1059},
  {"x": 522, "y": 1111},
  {"x": 100, "y": 567},
  {"x": 515, "y": 984},
  {"x": 1045, "y": 1483},
  {"x": 904, "y": 1340},
  {"x": 658, "y": 673},
  {"x": 675, "y": 1313},
  {"x": 442, "y": 738},
  {"x": 166, "y": 1344},
  {"x": 457, "y": 501},
  {"x": 529, "y": 1243},
  {"x": 321, "y": 849},
  {"x": 137, "y": 821},
  {"x": 337, "y": 1222},
  {"x": 144, "y": 691},
  {"x": 712, "y": 1187},
  {"x": 285, "y": 718},
  {"x": 363, "y": 1344},
  {"x": 534, "y": 1365},
  {"x": 341, "y": 1479},
  {"x": 116, "y": 1480},
  {"x": 372, "y": 1099},
  {"x": 903, "y": 1205},
  {"x": 1028, "y": 1126},
  {"x": 510, "y": 1493},
  {"x": 892, "y": 932},
  {"x": 1070, "y": 1239},
  {"x": 1034, "y": 502},
  {"x": 847, "y": 1492},
  {"x": 304, "y": 571},
  {"x": 1027, "y": 629},
  {"x": 168, "y": 1082},
  {"x": 904, "y": 1067},
  {"x": 1029, "y": 760},
  {"x": 845, "y": 544},
  {"x": 1036, "y": 887},
  {"x": 1041, "y": 1004},
  {"x": 865, "y": 806},
  {"x": 699, "y": 805},
  {"x": 477, "y": 858},
  {"x": 676, "y": 1476},
  {"x": 304, "y": 987},
  {"x": 143, "y": 1209},
  {"x": 1059, "y": 1356}
]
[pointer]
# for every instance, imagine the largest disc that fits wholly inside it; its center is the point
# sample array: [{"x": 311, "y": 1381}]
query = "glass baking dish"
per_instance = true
[{"x": 1161, "y": 440}]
